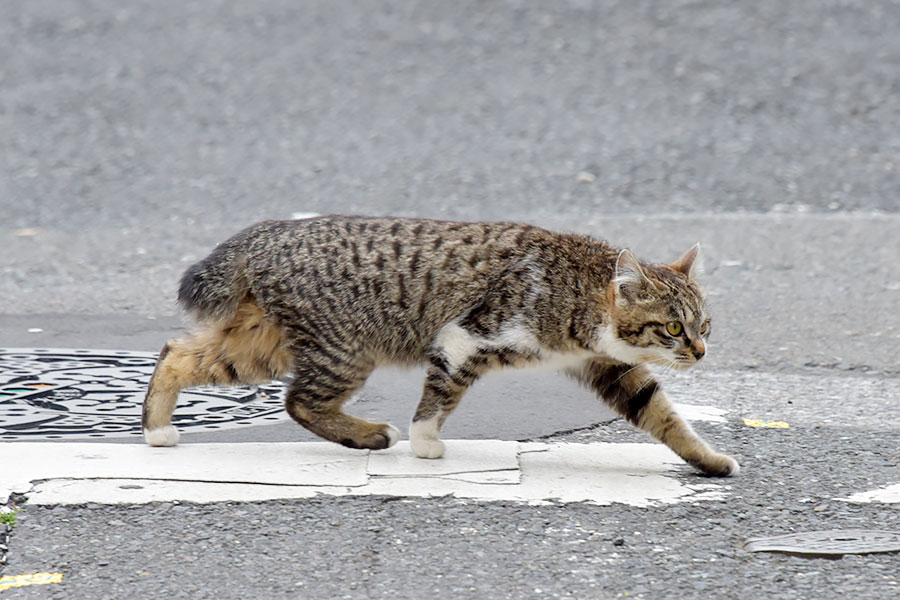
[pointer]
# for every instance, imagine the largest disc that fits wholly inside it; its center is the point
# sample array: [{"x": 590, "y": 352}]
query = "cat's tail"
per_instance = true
[{"x": 213, "y": 288}]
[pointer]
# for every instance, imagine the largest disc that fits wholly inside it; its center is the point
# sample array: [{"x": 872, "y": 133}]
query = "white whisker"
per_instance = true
[{"x": 637, "y": 366}]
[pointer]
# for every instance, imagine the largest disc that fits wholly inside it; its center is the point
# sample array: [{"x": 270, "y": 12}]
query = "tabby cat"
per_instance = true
[{"x": 329, "y": 299}]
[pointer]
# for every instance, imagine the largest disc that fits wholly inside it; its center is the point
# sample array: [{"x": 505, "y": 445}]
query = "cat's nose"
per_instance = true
[{"x": 699, "y": 351}]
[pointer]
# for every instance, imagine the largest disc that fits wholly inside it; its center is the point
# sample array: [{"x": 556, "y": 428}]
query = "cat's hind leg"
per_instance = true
[
  {"x": 322, "y": 383},
  {"x": 635, "y": 394},
  {"x": 244, "y": 349}
]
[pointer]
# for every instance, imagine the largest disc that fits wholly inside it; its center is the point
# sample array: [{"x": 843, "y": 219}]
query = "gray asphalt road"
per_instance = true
[
  {"x": 214, "y": 114},
  {"x": 133, "y": 137}
]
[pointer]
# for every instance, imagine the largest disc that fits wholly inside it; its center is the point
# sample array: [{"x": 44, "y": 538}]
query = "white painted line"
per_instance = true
[
  {"x": 303, "y": 215},
  {"x": 889, "y": 495},
  {"x": 142, "y": 491},
  {"x": 603, "y": 473},
  {"x": 600, "y": 473},
  {"x": 490, "y": 461},
  {"x": 694, "y": 412},
  {"x": 313, "y": 463}
]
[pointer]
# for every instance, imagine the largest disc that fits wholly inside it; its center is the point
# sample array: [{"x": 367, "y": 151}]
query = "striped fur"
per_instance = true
[{"x": 330, "y": 299}]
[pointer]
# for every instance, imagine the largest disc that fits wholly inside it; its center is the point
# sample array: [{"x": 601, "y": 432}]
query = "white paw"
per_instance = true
[
  {"x": 166, "y": 435},
  {"x": 424, "y": 448},
  {"x": 393, "y": 435},
  {"x": 423, "y": 439}
]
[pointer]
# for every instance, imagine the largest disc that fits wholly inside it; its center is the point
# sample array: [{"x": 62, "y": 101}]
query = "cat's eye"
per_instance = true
[
  {"x": 674, "y": 328},
  {"x": 704, "y": 329}
]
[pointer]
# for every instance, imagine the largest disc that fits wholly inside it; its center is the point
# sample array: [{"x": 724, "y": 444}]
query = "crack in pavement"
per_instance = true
[{"x": 584, "y": 428}]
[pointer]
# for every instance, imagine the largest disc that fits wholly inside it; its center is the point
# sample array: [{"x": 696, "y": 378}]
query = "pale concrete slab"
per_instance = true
[
  {"x": 888, "y": 495},
  {"x": 606, "y": 473},
  {"x": 314, "y": 463},
  {"x": 603, "y": 474},
  {"x": 599, "y": 473},
  {"x": 695, "y": 412},
  {"x": 478, "y": 461},
  {"x": 143, "y": 491}
]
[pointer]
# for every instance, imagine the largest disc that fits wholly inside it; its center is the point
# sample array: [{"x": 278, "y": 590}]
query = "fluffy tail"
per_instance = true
[{"x": 214, "y": 287}]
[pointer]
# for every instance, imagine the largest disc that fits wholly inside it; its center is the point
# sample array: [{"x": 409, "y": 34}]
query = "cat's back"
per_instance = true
[
  {"x": 318, "y": 233},
  {"x": 381, "y": 245},
  {"x": 374, "y": 273}
]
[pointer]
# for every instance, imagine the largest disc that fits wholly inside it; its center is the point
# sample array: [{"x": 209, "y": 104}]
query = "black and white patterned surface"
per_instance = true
[{"x": 71, "y": 394}]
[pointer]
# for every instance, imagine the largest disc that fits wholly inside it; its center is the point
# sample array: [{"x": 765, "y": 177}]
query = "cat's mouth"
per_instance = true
[
  {"x": 666, "y": 362},
  {"x": 678, "y": 363},
  {"x": 683, "y": 363}
]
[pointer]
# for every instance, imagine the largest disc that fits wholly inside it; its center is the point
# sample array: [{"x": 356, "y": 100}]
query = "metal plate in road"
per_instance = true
[
  {"x": 836, "y": 543},
  {"x": 70, "y": 394}
]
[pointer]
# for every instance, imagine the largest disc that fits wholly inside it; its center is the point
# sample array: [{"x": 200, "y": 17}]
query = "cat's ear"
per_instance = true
[
  {"x": 630, "y": 278},
  {"x": 690, "y": 263}
]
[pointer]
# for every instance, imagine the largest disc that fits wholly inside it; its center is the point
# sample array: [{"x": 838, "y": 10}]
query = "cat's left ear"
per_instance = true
[
  {"x": 630, "y": 281},
  {"x": 689, "y": 263}
]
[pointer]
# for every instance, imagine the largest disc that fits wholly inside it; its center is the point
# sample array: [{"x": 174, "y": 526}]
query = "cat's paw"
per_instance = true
[
  {"x": 718, "y": 465},
  {"x": 423, "y": 439},
  {"x": 166, "y": 435},
  {"x": 384, "y": 437},
  {"x": 392, "y": 434},
  {"x": 424, "y": 448}
]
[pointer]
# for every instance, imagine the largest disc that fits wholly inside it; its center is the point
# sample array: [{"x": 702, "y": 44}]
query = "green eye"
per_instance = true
[
  {"x": 704, "y": 329},
  {"x": 674, "y": 328}
]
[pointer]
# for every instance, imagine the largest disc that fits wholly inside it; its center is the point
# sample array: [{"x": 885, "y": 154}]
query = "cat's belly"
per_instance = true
[{"x": 457, "y": 345}]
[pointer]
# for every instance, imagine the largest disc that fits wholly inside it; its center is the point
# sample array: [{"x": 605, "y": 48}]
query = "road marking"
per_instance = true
[
  {"x": 17, "y": 581},
  {"x": 889, "y": 495},
  {"x": 639, "y": 474},
  {"x": 696, "y": 412},
  {"x": 307, "y": 464}
]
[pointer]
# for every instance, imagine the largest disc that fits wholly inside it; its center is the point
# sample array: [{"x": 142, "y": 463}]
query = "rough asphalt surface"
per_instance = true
[
  {"x": 136, "y": 136},
  {"x": 446, "y": 548}
]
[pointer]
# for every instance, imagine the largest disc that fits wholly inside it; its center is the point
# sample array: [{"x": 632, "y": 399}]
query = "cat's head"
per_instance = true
[{"x": 658, "y": 312}]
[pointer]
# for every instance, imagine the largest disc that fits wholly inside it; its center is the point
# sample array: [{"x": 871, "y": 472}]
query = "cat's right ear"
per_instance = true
[{"x": 630, "y": 278}]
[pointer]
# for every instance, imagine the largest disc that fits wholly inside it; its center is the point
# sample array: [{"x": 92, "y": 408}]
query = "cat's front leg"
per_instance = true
[
  {"x": 441, "y": 395},
  {"x": 454, "y": 367},
  {"x": 635, "y": 394}
]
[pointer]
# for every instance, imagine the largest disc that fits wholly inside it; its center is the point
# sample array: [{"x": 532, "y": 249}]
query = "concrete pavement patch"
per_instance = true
[
  {"x": 313, "y": 463},
  {"x": 889, "y": 495},
  {"x": 694, "y": 412},
  {"x": 470, "y": 458},
  {"x": 600, "y": 473}
]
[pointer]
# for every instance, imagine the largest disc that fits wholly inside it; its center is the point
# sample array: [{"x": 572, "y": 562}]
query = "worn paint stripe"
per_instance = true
[{"x": 17, "y": 581}]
